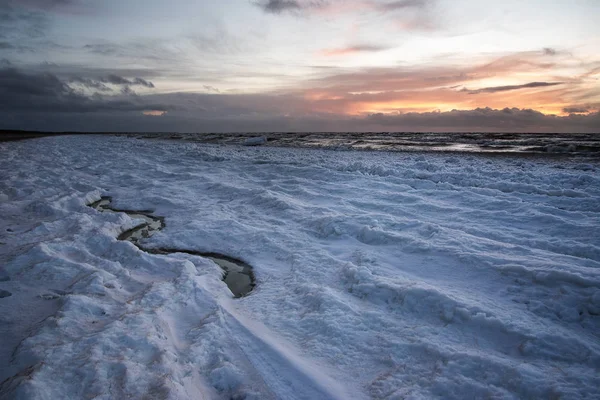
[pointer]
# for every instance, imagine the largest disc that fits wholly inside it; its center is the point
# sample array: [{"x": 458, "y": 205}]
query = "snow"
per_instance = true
[{"x": 379, "y": 275}]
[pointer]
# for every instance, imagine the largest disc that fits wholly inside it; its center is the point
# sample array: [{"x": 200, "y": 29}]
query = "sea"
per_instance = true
[{"x": 548, "y": 144}]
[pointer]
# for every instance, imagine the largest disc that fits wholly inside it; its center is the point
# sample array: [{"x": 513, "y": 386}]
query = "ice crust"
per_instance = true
[{"x": 379, "y": 275}]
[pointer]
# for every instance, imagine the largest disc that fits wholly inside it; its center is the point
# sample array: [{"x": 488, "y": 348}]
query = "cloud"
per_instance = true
[
  {"x": 363, "y": 48},
  {"x": 116, "y": 80},
  {"x": 119, "y": 80},
  {"x": 410, "y": 15},
  {"x": 43, "y": 4},
  {"x": 352, "y": 99},
  {"x": 281, "y": 6},
  {"x": 13, "y": 82},
  {"x": 25, "y": 29},
  {"x": 496, "y": 89},
  {"x": 142, "y": 82},
  {"x": 576, "y": 110},
  {"x": 482, "y": 119},
  {"x": 152, "y": 50},
  {"x": 488, "y": 119},
  {"x": 405, "y": 88},
  {"x": 54, "y": 6},
  {"x": 90, "y": 83},
  {"x": 101, "y": 84},
  {"x": 44, "y": 92},
  {"x": 210, "y": 88},
  {"x": 102, "y": 48},
  {"x": 402, "y": 4},
  {"x": 44, "y": 101},
  {"x": 216, "y": 41},
  {"x": 17, "y": 24}
]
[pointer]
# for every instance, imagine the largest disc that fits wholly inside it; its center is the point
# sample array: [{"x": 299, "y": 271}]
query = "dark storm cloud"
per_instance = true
[
  {"x": 13, "y": 82},
  {"x": 44, "y": 92},
  {"x": 495, "y": 89}
]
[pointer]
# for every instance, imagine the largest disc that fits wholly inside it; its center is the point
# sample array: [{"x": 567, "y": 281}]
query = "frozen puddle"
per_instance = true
[{"x": 238, "y": 276}]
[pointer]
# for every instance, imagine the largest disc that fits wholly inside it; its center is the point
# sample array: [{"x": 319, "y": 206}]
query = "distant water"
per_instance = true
[{"x": 500, "y": 143}]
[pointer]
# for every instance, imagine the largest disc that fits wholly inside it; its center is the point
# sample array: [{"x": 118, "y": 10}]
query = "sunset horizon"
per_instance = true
[{"x": 300, "y": 65}]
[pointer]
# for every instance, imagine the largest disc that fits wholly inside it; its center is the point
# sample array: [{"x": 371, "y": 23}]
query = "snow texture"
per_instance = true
[{"x": 379, "y": 275}]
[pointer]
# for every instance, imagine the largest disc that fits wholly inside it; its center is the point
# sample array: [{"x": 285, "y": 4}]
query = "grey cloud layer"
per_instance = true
[
  {"x": 43, "y": 101},
  {"x": 119, "y": 80},
  {"x": 33, "y": 93},
  {"x": 468, "y": 120},
  {"x": 17, "y": 23},
  {"x": 576, "y": 110},
  {"x": 508, "y": 119}
]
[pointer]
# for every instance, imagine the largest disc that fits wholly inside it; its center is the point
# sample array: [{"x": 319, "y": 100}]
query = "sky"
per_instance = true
[{"x": 300, "y": 65}]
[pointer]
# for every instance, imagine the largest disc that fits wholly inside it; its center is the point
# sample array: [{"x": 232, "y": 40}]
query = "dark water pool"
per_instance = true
[{"x": 238, "y": 275}]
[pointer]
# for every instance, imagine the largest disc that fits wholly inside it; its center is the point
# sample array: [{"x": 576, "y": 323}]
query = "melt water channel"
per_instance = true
[{"x": 238, "y": 275}]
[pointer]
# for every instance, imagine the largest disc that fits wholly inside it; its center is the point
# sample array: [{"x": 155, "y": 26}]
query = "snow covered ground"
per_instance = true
[{"x": 379, "y": 275}]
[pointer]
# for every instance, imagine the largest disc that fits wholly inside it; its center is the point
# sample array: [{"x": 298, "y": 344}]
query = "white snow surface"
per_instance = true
[{"x": 379, "y": 275}]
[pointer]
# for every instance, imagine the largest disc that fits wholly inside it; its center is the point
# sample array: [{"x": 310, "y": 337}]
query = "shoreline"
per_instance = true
[{"x": 549, "y": 145}]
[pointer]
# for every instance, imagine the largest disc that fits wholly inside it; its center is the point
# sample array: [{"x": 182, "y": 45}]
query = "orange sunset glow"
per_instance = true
[{"x": 302, "y": 64}]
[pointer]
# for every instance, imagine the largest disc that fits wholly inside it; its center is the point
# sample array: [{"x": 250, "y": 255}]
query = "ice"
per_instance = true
[
  {"x": 378, "y": 275},
  {"x": 255, "y": 141}
]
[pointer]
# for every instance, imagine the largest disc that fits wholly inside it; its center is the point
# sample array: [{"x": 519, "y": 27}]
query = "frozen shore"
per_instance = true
[{"x": 379, "y": 275}]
